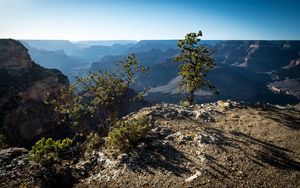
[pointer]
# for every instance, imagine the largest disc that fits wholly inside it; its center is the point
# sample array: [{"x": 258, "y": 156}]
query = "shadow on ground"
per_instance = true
[
  {"x": 262, "y": 152},
  {"x": 289, "y": 118},
  {"x": 157, "y": 155},
  {"x": 220, "y": 157},
  {"x": 259, "y": 151}
]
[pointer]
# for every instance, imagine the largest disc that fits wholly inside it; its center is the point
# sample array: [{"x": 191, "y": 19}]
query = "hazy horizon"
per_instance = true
[{"x": 132, "y": 40}]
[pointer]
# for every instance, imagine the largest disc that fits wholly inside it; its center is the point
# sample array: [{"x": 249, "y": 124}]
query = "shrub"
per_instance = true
[
  {"x": 46, "y": 152},
  {"x": 184, "y": 103},
  {"x": 93, "y": 142},
  {"x": 128, "y": 133}
]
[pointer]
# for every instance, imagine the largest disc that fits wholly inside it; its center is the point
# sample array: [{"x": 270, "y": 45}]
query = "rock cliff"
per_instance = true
[{"x": 24, "y": 86}]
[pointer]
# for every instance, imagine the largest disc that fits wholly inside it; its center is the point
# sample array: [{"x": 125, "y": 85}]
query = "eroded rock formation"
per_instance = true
[{"x": 24, "y": 86}]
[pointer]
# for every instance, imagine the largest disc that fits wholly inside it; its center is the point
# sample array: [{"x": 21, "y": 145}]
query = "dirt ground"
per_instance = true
[{"x": 242, "y": 147}]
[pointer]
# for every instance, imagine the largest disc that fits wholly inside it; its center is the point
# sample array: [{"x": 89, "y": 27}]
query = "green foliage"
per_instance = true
[
  {"x": 46, "y": 152},
  {"x": 93, "y": 142},
  {"x": 184, "y": 103},
  {"x": 72, "y": 108},
  {"x": 128, "y": 133},
  {"x": 103, "y": 93},
  {"x": 196, "y": 62},
  {"x": 3, "y": 143},
  {"x": 109, "y": 89}
]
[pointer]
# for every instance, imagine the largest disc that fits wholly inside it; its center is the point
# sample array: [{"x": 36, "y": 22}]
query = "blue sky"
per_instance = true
[{"x": 149, "y": 19}]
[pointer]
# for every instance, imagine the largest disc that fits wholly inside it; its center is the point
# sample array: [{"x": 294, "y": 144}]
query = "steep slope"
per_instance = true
[
  {"x": 23, "y": 88},
  {"x": 257, "y": 56},
  {"x": 69, "y": 66}
]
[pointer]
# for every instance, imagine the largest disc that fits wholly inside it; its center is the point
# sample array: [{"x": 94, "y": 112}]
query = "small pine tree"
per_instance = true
[
  {"x": 103, "y": 93},
  {"x": 196, "y": 62}
]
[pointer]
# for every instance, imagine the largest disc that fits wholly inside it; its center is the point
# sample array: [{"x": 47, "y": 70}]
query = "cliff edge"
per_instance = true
[
  {"x": 23, "y": 88},
  {"x": 221, "y": 144}
]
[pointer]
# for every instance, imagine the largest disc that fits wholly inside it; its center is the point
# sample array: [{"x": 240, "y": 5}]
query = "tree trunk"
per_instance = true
[{"x": 191, "y": 97}]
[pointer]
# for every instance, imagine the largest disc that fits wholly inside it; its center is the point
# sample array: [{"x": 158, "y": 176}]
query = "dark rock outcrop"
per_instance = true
[
  {"x": 24, "y": 85},
  {"x": 17, "y": 170}
]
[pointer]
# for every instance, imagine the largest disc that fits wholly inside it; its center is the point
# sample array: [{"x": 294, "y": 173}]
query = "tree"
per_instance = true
[
  {"x": 102, "y": 94},
  {"x": 109, "y": 89},
  {"x": 196, "y": 62}
]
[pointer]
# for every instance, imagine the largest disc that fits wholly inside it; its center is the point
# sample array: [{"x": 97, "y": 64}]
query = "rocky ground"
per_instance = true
[{"x": 223, "y": 144}]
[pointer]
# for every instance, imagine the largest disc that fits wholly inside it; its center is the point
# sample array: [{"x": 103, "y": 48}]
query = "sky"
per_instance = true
[{"x": 150, "y": 19}]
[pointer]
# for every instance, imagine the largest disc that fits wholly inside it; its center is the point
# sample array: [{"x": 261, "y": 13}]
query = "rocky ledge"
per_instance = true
[{"x": 222, "y": 144}]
